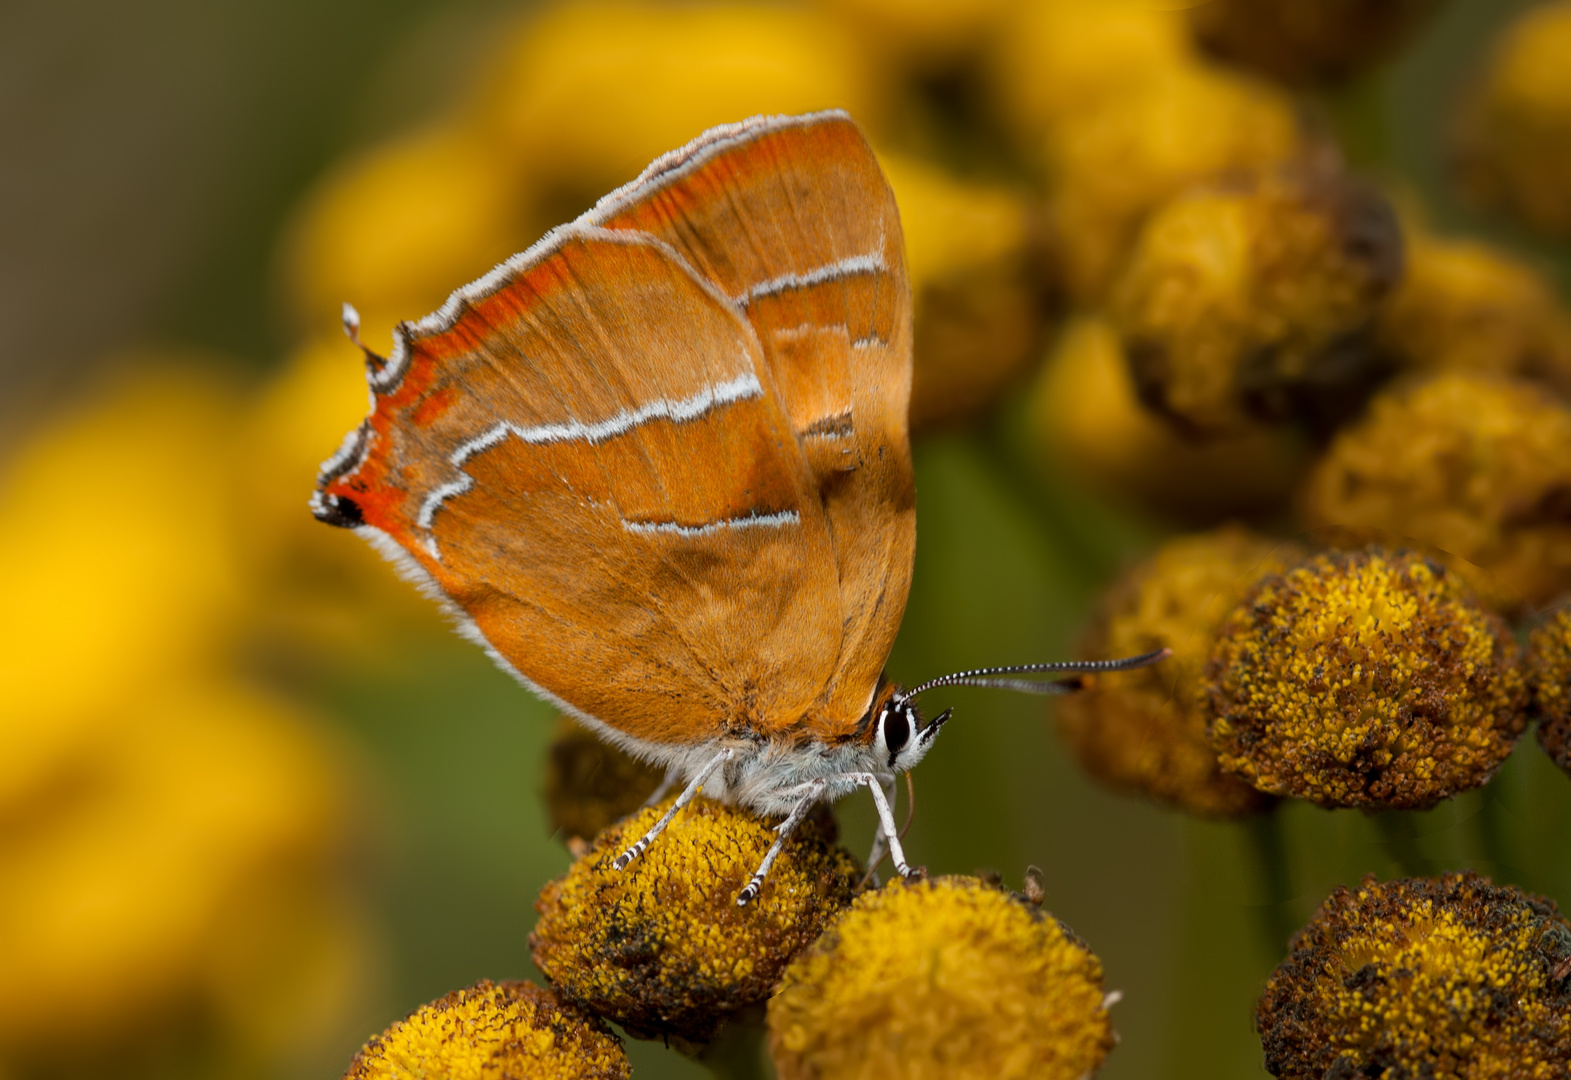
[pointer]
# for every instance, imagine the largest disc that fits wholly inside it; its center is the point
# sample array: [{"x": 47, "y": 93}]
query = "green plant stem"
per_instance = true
[
  {"x": 1492, "y": 840},
  {"x": 737, "y": 1053},
  {"x": 1268, "y": 847},
  {"x": 1399, "y": 836}
]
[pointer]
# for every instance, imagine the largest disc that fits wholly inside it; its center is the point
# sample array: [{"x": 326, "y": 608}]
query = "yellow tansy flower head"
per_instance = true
[
  {"x": 662, "y": 947},
  {"x": 1366, "y": 678},
  {"x": 1469, "y": 306},
  {"x": 949, "y": 977},
  {"x": 1514, "y": 140},
  {"x": 1306, "y": 41},
  {"x": 1474, "y": 465},
  {"x": 1549, "y": 676},
  {"x": 590, "y": 784},
  {"x": 1446, "y": 978},
  {"x": 494, "y": 1031},
  {"x": 1145, "y": 730},
  {"x": 1251, "y": 301}
]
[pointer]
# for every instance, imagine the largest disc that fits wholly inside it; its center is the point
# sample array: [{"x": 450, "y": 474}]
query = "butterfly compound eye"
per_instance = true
[{"x": 897, "y": 728}]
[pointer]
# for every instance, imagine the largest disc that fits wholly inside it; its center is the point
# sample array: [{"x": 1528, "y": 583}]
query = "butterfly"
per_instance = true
[{"x": 658, "y": 467}]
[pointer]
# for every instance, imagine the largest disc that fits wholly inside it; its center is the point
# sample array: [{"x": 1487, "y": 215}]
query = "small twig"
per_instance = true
[
  {"x": 1399, "y": 836},
  {"x": 1268, "y": 846}
]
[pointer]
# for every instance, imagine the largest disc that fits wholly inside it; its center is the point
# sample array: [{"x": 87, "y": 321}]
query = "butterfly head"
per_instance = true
[{"x": 899, "y": 737}]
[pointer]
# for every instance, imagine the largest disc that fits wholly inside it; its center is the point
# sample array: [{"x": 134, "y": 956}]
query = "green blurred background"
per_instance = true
[{"x": 154, "y": 153}]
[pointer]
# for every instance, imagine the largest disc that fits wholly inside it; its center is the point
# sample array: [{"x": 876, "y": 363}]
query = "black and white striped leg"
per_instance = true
[
  {"x": 784, "y": 829},
  {"x": 692, "y": 789},
  {"x": 886, "y": 819},
  {"x": 876, "y": 854}
]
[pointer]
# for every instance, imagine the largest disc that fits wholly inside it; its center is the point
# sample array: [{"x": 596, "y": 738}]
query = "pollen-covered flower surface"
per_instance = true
[
  {"x": 1549, "y": 676},
  {"x": 494, "y": 1031},
  {"x": 1451, "y": 979},
  {"x": 1145, "y": 730},
  {"x": 949, "y": 977},
  {"x": 662, "y": 947},
  {"x": 1365, "y": 678},
  {"x": 1475, "y": 465}
]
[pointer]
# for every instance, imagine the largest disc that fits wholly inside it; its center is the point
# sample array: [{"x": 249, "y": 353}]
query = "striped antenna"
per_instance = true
[{"x": 999, "y": 677}]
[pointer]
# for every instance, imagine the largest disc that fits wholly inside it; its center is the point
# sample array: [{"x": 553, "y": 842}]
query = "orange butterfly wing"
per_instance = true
[
  {"x": 792, "y": 218},
  {"x": 659, "y": 463}
]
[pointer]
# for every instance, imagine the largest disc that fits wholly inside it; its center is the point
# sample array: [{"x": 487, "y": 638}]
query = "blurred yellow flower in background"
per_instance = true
[
  {"x": 1476, "y": 465},
  {"x": 1513, "y": 144},
  {"x": 174, "y": 839},
  {"x": 583, "y": 96},
  {"x": 1089, "y": 425}
]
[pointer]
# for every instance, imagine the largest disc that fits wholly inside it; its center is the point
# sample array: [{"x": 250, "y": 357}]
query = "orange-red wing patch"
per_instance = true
[
  {"x": 793, "y": 219},
  {"x": 588, "y": 455}
]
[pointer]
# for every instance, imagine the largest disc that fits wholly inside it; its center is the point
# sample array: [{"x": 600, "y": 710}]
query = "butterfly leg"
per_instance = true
[
  {"x": 886, "y": 819},
  {"x": 876, "y": 854},
  {"x": 692, "y": 789},
  {"x": 784, "y": 829}
]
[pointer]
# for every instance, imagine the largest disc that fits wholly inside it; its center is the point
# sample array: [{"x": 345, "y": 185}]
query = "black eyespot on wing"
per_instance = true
[{"x": 337, "y": 511}]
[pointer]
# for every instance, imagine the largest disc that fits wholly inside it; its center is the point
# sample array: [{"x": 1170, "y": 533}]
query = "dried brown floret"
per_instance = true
[
  {"x": 662, "y": 947},
  {"x": 1114, "y": 163},
  {"x": 1086, "y": 418},
  {"x": 1514, "y": 139},
  {"x": 1549, "y": 677},
  {"x": 1253, "y": 300},
  {"x": 1365, "y": 678},
  {"x": 1468, "y": 306},
  {"x": 1451, "y": 979},
  {"x": 1307, "y": 41},
  {"x": 590, "y": 784},
  {"x": 1474, "y": 465},
  {"x": 1145, "y": 730},
  {"x": 947, "y": 978},
  {"x": 494, "y": 1031}
]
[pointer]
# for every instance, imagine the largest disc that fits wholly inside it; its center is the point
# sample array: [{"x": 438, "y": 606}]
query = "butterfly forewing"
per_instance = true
[
  {"x": 792, "y": 218},
  {"x": 587, "y": 455}
]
